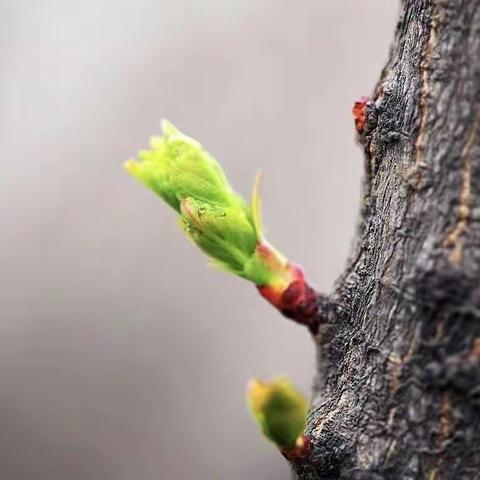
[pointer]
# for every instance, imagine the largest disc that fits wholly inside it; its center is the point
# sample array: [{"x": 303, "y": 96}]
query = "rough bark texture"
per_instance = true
[{"x": 398, "y": 388}]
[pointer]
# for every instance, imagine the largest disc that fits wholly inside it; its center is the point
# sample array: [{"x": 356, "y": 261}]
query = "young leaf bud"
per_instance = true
[
  {"x": 280, "y": 410},
  {"x": 219, "y": 221}
]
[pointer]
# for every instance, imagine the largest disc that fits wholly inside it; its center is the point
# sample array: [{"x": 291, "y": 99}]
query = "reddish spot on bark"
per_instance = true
[{"x": 359, "y": 112}]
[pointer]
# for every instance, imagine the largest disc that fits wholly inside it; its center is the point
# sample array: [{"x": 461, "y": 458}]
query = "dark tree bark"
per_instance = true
[{"x": 398, "y": 388}]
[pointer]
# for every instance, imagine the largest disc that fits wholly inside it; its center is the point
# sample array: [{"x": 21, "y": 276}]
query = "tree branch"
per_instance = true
[{"x": 397, "y": 395}]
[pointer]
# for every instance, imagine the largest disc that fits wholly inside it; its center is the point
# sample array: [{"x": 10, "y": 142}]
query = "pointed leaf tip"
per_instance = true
[
  {"x": 257, "y": 206},
  {"x": 168, "y": 128},
  {"x": 131, "y": 166}
]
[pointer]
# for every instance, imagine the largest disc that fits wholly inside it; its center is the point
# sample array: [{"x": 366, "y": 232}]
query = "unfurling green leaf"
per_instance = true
[
  {"x": 216, "y": 218},
  {"x": 279, "y": 409}
]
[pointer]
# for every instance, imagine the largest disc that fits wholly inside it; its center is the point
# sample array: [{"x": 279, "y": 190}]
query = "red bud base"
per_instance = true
[
  {"x": 300, "y": 452},
  {"x": 297, "y": 301}
]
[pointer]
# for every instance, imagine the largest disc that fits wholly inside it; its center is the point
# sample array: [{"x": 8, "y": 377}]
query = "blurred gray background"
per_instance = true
[{"x": 122, "y": 356}]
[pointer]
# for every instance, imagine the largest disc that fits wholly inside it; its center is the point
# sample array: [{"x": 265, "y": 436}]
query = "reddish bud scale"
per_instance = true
[
  {"x": 300, "y": 452},
  {"x": 359, "y": 112},
  {"x": 297, "y": 301}
]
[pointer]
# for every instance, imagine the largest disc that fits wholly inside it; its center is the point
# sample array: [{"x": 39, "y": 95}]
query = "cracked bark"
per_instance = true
[{"x": 397, "y": 395}]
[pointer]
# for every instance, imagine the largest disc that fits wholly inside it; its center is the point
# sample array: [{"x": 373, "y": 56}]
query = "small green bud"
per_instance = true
[{"x": 280, "y": 410}]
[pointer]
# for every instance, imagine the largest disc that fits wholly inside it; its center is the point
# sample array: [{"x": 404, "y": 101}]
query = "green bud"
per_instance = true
[
  {"x": 217, "y": 219},
  {"x": 279, "y": 409},
  {"x": 223, "y": 232},
  {"x": 177, "y": 166}
]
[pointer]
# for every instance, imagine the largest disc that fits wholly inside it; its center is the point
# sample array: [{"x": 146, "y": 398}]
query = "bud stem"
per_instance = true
[{"x": 289, "y": 292}]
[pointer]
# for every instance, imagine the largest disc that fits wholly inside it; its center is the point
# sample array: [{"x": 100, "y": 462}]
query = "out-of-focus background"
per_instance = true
[{"x": 122, "y": 356}]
